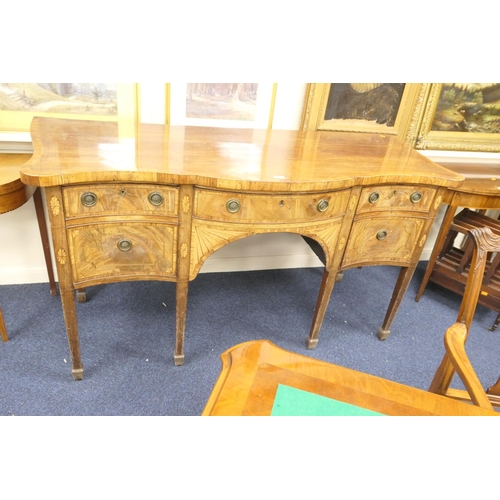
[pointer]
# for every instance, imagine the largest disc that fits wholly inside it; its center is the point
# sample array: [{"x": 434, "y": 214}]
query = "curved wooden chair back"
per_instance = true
[{"x": 455, "y": 359}]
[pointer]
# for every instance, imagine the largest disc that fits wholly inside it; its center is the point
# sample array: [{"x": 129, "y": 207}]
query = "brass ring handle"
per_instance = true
[
  {"x": 155, "y": 198},
  {"x": 381, "y": 235},
  {"x": 373, "y": 198},
  {"x": 232, "y": 206},
  {"x": 124, "y": 245},
  {"x": 322, "y": 205},
  {"x": 88, "y": 199},
  {"x": 416, "y": 197}
]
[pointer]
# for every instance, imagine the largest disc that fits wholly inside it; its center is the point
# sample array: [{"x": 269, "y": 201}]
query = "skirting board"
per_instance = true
[{"x": 18, "y": 276}]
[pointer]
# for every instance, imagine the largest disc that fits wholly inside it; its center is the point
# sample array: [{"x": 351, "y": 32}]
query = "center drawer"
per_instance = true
[
  {"x": 120, "y": 199},
  {"x": 250, "y": 207}
]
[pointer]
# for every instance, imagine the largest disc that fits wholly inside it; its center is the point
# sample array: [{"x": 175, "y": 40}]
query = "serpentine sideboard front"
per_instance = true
[{"x": 153, "y": 202}]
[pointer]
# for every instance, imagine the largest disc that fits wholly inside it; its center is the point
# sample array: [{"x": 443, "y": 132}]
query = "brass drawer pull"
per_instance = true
[
  {"x": 124, "y": 245},
  {"x": 373, "y": 198},
  {"x": 322, "y": 205},
  {"x": 155, "y": 198},
  {"x": 232, "y": 206},
  {"x": 88, "y": 199},
  {"x": 416, "y": 197},
  {"x": 381, "y": 235}
]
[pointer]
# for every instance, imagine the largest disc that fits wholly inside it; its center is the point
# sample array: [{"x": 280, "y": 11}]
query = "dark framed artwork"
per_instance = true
[{"x": 390, "y": 108}]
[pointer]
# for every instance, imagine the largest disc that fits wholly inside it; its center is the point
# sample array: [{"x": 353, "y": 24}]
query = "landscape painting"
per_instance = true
[
  {"x": 468, "y": 107},
  {"x": 221, "y": 101},
  {"x": 61, "y": 98}
]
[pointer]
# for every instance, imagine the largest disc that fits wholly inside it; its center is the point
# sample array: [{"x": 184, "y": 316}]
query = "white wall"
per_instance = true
[{"x": 21, "y": 254}]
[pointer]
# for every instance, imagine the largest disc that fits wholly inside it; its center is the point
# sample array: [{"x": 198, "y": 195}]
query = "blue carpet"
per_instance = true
[{"x": 127, "y": 338}]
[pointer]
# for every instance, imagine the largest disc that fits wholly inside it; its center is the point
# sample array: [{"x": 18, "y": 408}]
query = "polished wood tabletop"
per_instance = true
[
  {"x": 480, "y": 188},
  {"x": 70, "y": 151},
  {"x": 252, "y": 371}
]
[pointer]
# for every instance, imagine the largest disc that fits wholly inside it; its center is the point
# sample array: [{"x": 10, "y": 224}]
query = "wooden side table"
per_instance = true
[
  {"x": 253, "y": 372},
  {"x": 480, "y": 190},
  {"x": 13, "y": 194}
]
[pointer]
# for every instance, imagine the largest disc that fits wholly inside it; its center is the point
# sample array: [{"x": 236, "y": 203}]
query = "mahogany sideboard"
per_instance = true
[{"x": 152, "y": 202}]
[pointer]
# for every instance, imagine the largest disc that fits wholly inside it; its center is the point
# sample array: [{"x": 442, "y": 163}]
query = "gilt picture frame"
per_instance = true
[
  {"x": 21, "y": 102},
  {"x": 369, "y": 107},
  {"x": 460, "y": 117}
]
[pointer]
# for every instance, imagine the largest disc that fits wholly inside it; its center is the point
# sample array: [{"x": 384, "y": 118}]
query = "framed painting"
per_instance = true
[
  {"x": 20, "y": 102},
  {"x": 389, "y": 108},
  {"x": 461, "y": 117},
  {"x": 232, "y": 105}
]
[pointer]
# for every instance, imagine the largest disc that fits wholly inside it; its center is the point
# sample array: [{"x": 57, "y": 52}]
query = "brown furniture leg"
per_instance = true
[
  {"x": 443, "y": 232},
  {"x": 325, "y": 291},
  {"x": 398, "y": 294},
  {"x": 181, "y": 295},
  {"x": 81, "y": 295},
  {"x": 3, "y": 330},
  {"x": 37, "y": 198},
  {"x": 495, "y": 324},
  {"x": 69, "y": 310}
]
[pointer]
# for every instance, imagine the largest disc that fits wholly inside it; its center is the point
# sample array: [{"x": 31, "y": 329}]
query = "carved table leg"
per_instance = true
[
  {"x": 325, "y": 291},
  {"x": 402, "y": 283},
  {"x": 186, "y": 194},
  {"x": 3, "y": 330},
  {"x": 54, "y": 202},
  {"x": 69, "y": 311},
  {"x": 180, "y": 320}
]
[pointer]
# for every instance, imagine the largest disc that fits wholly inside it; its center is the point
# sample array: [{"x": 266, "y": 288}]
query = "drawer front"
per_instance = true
[
  {"x": 245, "y": 207},
  {"x": 397, "y": 197},
  {"x": 383, "y": 240},
  {"x": 120, "y": 199},
  {"x": 128, "y": 250}
]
